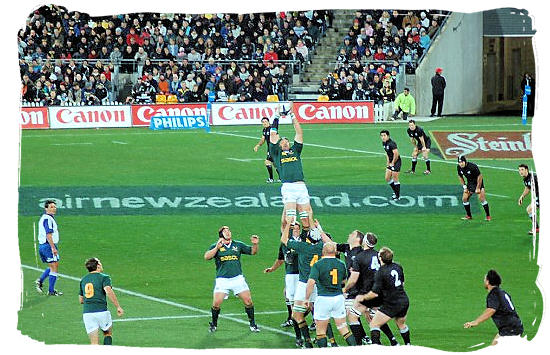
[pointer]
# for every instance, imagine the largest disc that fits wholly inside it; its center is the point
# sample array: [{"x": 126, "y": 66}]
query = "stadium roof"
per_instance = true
[{"x": 507, "y": 22}]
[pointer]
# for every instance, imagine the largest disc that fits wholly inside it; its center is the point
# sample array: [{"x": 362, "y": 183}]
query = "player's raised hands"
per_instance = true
[{"x": 219, "y": 243}]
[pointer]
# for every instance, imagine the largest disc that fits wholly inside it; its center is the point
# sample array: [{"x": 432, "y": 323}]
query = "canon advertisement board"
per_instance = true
[
  {"x": 484, "y": 144},
  {"x": 245, "y": 113},
  {"x": 335, "y": 112},
  {"x": 90, "y": 117},
  {"x": 141, "y": 114},
  {"x": 34, "y": 118}
]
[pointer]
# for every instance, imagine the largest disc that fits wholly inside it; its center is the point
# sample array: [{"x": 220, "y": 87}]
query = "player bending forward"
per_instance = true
[
  {"x": 472, "y": 185},
  {"x": 288, "y": 161},
  {"x": 93, "y": 289},
  {"x": 388, "y": 282},
  {"x": 328, "y": 274},
  {"x": 229, "y": 275}
]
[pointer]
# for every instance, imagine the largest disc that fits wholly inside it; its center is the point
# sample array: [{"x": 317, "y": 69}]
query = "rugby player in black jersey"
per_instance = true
[
  {"x": 388, "y": 283},
  {"x": 501, "y": 309},
  {"x": 363, "y": 269},
  {"x": 268, "y": 160},
  {"x": 471, "y": 180},
  {"x": 422, "y": 143},
  {"x": 530, "y": 180},
  {"x": 393, "y": 163}
]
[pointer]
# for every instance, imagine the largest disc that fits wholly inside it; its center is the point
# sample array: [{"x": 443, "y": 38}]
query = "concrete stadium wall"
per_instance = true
[{"x": 459, "y": 51}]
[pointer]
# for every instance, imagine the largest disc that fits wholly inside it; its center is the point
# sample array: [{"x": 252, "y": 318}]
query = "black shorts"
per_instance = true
[
  {"x": 472, "y": 187},
  {"x": 269, "y": 157},
  {"x": 395, "y": 310},
  {"x": 428, "y": 144},
  {"x": 375, "y": 302},
  {"x": 397, "y": 166}
]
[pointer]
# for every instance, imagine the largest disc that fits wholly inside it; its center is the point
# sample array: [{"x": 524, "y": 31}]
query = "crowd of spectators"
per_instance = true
[
  {"x": 72, "y": 58},
  {"x": 373, "y": 48}
]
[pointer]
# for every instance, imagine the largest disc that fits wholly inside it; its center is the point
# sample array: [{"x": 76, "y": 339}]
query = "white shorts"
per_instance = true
[
  {"x": 300, "y": 294},
  {"x": 295, "y": 192},
  {"x": 236, "y": 284},
  {"x": 95, "y": 320},
  {"x": 327, "y": 307},
  {"x": 291, "y": 281}
]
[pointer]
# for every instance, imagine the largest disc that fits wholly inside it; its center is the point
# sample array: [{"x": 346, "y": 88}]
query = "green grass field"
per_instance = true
[{"x": 149, "y": 204}]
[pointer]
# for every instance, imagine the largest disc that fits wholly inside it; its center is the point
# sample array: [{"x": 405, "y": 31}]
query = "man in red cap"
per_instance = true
[{"x": 438, "y": 90}]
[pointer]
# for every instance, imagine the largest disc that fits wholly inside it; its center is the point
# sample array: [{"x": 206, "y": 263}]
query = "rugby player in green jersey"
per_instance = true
[
  {"x": 287, "y": 160},
  {"x": 94, "y": 287},
  {"x": 309, "y": 251},
  {"x": 327, "y": 275},
  {"x": 229, "y": 276}
]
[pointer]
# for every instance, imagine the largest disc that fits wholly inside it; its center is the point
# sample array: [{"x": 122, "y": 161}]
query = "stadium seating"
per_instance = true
[{"x": 61, "y": 46}]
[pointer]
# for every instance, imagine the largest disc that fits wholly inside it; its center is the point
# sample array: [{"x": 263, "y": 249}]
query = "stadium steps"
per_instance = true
[{"x": 325, "y": 52}]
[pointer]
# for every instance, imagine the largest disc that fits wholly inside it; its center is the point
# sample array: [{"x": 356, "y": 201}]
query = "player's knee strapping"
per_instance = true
[
  {"x": 291, "y": 213},
  {"x": 299, "y": 309},
  {"x": 303, "y": 215},
  {"x": 341, "y": 326}
]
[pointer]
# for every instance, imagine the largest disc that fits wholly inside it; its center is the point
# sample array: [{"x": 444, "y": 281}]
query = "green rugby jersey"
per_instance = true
[
  {"x": 227, "y": 258},
  {"x": 328, "y": 274},
  {"x": 92, "y": 289},
  {"x": 290, "y": 258},
  {"x": 289, "y": 162},
  {"x": 308, "y": 254}
]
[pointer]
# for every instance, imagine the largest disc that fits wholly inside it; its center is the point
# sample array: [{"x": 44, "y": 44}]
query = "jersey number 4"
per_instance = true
[
  {"x": 397, "y": 282},
  {"x": 314, "y": 260},
  {"x": 334, "y": 274},
  {"x": 89, "y": 290}
]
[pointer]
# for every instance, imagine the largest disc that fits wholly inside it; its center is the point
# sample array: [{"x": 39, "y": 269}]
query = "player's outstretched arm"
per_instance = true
[
  {"x": 111, "y": 294},
  {"x": 274, "y": 131},
  {"x": 255, "y": 240},
  {"x": 324, "y": 237},
  {"x": 286, "y": 229},
  {"x": 488, "y": 313},
  {"x": 275, "y": 266},
  {"x": 299, "y": 136}
]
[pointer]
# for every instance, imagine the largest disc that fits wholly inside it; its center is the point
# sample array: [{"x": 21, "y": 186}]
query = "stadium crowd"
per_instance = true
[
  {"x": 68, "y": 57},
  {"x": 377, "y": 42}
]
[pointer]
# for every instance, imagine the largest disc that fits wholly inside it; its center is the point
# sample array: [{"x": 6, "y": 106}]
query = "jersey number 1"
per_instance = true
[
  {"x": 89, "y": 290},
  {"x": 334, "y": 274}
]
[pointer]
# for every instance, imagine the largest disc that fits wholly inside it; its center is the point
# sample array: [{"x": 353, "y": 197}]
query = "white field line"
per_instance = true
[
  {"x": 475, "y": 346},
  {"x": 488, "y": 194},
  {"x": 248, "y": 160},
  {"x": 365, "y": 151},
  {"x": 170, "y": 303},
  {"x": 119, "y": 142},
  {"x": 138, "y": 319},
  {"x": 82, "y": 143},
  {"x": 376, "y": 126}
]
